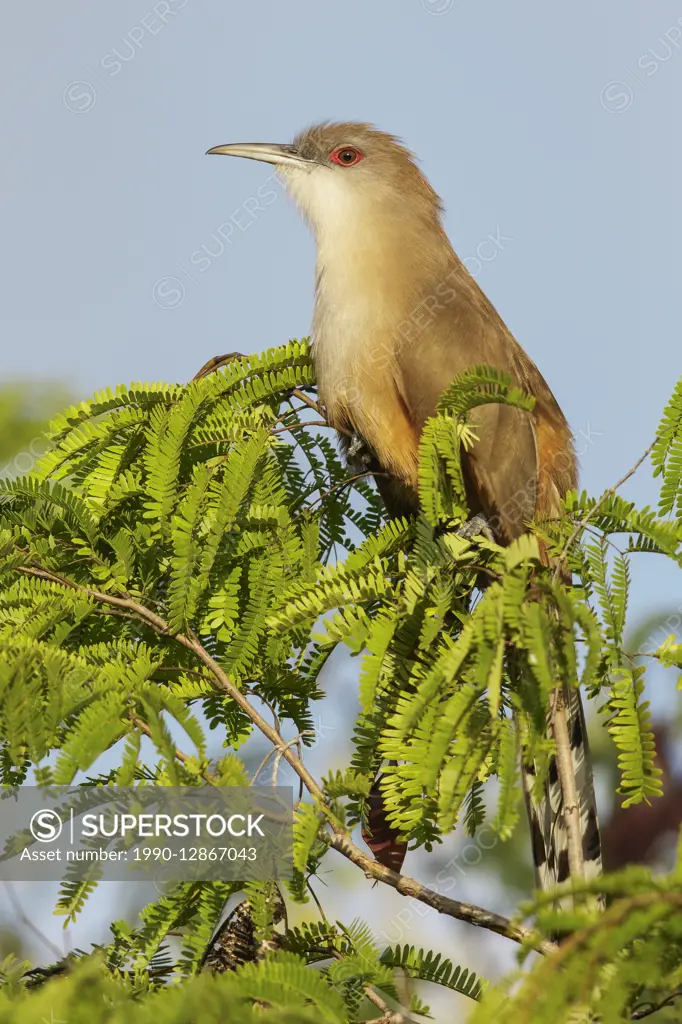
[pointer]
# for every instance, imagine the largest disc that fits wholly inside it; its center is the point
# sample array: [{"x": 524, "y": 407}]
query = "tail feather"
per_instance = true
[
  {"x": 386, "y": 843},
  {"x": 549, "y": 837}
]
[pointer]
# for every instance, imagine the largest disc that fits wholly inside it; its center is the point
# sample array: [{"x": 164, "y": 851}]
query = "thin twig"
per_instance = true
[
  {"x": 180, "y": 755},
  {"x": 270, "y": 753},
  {"x": 319, "y": 408},
  {"x": 386, "y": 1018},
  {"x": 275, "y": 717},
  {"x": 345, "y": 483},
  {"x": 646, "y": 1009},
  {"x": 608, "y": 493},
  {"x": 28, "y": 923},
  {"x": 310, "y": 402},
  {"x": 389, "y": 1016},
  {"x": 111, "y": 612},
  {"x": 297, "y": 426},
  {"x": 187, "y": 671},
  {"x": 317, "y": 901},
  {"x": 296, "y": 742},
  {"x": 262, "y": 765},
  {"x": 292, "y": 412}
]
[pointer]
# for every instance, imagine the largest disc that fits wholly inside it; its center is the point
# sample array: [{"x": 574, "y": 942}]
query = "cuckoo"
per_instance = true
[{"x": 397, "y": 317}]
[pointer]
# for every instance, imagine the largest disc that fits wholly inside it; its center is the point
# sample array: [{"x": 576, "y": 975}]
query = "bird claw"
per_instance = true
[
  {"x": 358, "y": 453},
  {"x": 356, "y": 446},
  {"x": 476, "y": 527}
]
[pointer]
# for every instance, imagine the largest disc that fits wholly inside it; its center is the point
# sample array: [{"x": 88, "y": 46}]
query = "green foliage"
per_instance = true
[
  {"x": 292, "y": 993},
  {"x": 666, "y": 455},
  {"x": 183, "y": 549},
  {"x": 621, "y": 966},
  {"x": 630, "y": 727},
  {"x": 427, "y": 967}
]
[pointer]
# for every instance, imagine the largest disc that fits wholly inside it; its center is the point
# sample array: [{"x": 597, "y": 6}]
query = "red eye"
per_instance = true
[{"x": 346, "y": 156}]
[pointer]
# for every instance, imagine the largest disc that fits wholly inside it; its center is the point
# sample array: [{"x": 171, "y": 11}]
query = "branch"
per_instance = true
[
  {"x": 340, "y": 839},
  {"x": 407, "y": 886},
  {"x": 310, "y": 402},
  {"x": 646, "y": 1009},
  {"x": 389, "y": 1016},
  {"x": 607, "y": 494},
  {"x": 300, "y": 425},
  {"x": 217, "y": 362},
  {"x": 22, "y": 918},
  {"x": 346, "y": 483},
  {"x": 180, "y": 755}
]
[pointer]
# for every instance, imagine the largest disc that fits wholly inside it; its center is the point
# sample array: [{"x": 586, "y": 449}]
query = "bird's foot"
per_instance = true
[
  {"x": 216, "y": 362},
  {"x": 476, "y": 527},
  {"x": 356, "y": 445},
  {"x": 358, "y": 453}
]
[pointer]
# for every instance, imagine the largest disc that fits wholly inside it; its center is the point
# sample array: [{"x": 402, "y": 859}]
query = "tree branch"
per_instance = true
[
  {"x": 407, "y": 886},
  {"x": 647, "y": 1009},
  {"x": 340, "y": 839},
  {"x": 389, "y": 1016},
  {"x": 607, "y": 494},
  {"x": 180, "y": 755}
]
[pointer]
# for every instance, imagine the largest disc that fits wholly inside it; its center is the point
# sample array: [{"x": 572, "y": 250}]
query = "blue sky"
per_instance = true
[
  {"x": 546, "y": 128},
  {"x": 553, "y": 128},
  {"x": 554, "y": 131}
]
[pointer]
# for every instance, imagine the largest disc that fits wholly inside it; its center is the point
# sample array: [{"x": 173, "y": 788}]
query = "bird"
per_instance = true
[{"x": 397, "y": 317}]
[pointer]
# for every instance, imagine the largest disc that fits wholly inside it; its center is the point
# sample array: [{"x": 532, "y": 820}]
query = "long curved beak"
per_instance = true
[{"x": 267, "y": 152}]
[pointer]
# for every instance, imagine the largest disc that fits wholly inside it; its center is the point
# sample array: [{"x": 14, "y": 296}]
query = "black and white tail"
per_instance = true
[{"x": 545, "y": 811}]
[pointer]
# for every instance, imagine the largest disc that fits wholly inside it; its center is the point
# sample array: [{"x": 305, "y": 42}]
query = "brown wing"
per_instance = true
[{"x": 502, "y": 469}]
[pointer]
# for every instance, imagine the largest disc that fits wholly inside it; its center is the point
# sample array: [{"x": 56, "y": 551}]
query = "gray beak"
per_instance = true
[{"x": 267, "y": 152}]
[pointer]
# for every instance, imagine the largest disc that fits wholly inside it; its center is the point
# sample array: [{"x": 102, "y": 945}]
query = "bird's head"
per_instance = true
[{"x": 343, "y": 174}]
